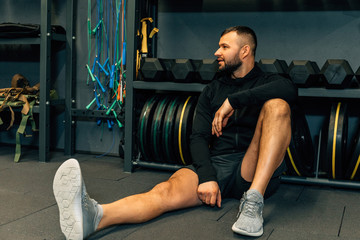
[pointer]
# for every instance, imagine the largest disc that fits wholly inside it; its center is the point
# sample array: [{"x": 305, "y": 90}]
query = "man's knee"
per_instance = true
[
  {"x": 180, "y": 190},
  {"x": 277, "y": 107},
  {"x": 163, "y": 190}
]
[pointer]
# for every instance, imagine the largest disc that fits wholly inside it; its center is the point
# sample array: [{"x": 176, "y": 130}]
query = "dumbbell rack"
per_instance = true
[{"x": 132, "y": 158}]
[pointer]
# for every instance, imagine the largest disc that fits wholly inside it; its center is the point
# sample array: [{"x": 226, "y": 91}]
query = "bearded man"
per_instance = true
[{"x": 241, "y": 130}]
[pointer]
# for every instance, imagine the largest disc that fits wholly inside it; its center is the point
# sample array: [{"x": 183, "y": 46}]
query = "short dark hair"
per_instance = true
[{"x": 243, "y": 30}]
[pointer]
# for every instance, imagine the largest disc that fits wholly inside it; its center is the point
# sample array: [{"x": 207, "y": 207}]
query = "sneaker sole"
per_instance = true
[
  {"x": 243, "y": 232},
  {"x": 67, "y": 191}
]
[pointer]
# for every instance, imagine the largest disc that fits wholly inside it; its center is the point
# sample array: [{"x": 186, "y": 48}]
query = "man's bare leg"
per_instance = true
[
  {"x": 268, "y": 146},
  {"x": 80, "y": 215},
  {"x": 264, "y": 155},
  {"x": 180, "y": 191}
]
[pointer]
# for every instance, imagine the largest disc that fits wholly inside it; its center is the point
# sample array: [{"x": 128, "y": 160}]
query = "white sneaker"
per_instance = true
[
  {"x": 250, "y": 220},
  {"x": 79, "y": 214}
]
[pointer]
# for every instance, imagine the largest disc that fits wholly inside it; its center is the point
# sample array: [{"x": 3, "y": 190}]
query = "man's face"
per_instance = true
[{"x": 228, "y": 54}]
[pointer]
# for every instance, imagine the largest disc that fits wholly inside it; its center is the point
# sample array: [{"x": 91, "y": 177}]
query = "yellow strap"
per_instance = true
[
  {"x": 144, "y": 46},
  {"x": 147, "y": 19},
  {"x": 138, "y": 59},
  {"x": 179, "y": 137},
  {"x": 334, "y": 138},
  {"x": 152, "y": 33},
  {"x": 292, "y": 161}
]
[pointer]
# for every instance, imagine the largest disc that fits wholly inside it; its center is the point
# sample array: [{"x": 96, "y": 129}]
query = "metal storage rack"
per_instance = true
[
  {"x": 131, "y": 160},
  {"x": 44, "y": 41},
  {"x": 72, "y": 113}
]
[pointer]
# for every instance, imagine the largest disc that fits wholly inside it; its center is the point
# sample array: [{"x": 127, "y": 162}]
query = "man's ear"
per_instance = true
[{"x": 245, "y": 50}]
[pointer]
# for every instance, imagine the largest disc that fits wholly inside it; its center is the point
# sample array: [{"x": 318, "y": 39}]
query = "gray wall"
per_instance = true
[
  {"x": 294, "y": 35},
  {"x": 289, "y": 36}
]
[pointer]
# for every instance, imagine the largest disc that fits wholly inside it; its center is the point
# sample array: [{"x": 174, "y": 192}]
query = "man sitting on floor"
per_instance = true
[{"x": 243, "y": 115}]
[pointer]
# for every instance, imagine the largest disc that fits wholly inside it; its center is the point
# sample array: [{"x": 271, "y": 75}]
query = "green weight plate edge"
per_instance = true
[
  {"x": 140, "y": 133},
  {"x": 144, "y": 128},
  {"x": 168, "y": 132},
  {"x": 156, "y": 129}
]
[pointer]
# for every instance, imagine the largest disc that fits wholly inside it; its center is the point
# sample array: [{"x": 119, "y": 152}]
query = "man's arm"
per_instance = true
[
  {"x": 280, "y": 88},
  {"x": 208, "y": 190},
  {"x": 277, "y": 87},
  {"x": 221, "y": 118}
]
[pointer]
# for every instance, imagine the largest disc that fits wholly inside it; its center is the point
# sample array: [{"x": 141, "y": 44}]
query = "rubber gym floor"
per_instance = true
[{"x": 28, "y": 209}]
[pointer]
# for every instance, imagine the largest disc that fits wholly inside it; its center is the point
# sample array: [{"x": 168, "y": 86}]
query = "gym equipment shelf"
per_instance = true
[
  {"x": 198, "y": 87},
  {"x": 44, "y": 40},
  {"x": 132, "y": 158},
  {"x": 169, "y": 86},
  {"x": 329, "y": 93},
  {"x": 13, "y": 41}
]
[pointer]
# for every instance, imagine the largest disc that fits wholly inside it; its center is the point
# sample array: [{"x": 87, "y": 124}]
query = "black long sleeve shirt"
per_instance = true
[{"x": 247, "y": 96}]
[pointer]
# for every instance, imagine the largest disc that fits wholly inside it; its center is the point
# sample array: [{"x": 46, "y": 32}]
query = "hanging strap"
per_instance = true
[{"x": 21, "y": 130}]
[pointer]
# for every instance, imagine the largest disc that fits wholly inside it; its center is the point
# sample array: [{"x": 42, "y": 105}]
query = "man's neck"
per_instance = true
[{"x": 243, "y": 70}]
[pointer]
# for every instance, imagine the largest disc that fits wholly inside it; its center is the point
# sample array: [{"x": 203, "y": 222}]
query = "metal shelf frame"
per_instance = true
[
  {"x": 45, "y": 56},
  {"x": 44, "y": 40},
  {"x": 131, "y": 25},
  {"x": 198, "y": 87},
  {"x": 321, "y": 182}
]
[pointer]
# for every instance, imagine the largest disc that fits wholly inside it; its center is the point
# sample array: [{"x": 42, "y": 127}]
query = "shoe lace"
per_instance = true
[{"x": 250, "y": 209}]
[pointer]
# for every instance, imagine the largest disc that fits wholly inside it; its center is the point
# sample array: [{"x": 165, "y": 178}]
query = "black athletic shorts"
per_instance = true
[{"x": 231, "y": 183}]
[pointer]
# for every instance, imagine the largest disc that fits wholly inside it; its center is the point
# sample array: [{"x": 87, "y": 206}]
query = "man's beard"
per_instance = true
[{"x": 231, "y": 67}]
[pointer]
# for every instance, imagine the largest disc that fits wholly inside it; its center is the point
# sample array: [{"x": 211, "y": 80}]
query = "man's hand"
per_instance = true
[
  {"x": 209, "y": 193},
  {"x": 221, "y": 117}
]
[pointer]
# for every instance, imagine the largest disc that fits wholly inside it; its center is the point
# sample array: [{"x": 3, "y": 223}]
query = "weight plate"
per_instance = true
[
  {"x": 352, "y": 171},
  {"x": 156, "y": 129},
  {"x": 177, "y": 153},
  {"x": 323, "y": 170},
  {"x": 186, "y": 128},
  {"x": 300, "y": 156},
  {"x": 168, "y": 131},
  {"x": 144, "y": 128},
  {"x": 184, "y": 119},
  {"x": 337, "y": 137}
]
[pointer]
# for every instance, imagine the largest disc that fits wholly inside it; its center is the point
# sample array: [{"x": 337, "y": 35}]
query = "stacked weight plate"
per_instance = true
[
  {"x": 340, "y": 159},
  {"x": 164, "y": 129},
  {"x": 300, "y": 155},
  {"x": 353, "y": 171},
  {"x": 334, "y": 134}
]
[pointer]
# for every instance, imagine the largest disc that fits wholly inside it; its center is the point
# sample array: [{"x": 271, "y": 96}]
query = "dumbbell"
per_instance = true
[
  {"x": 190, "y": 70},
  {"x": 273, "y": 66},
  {"x": 305, "y": 73},
  {"x": 206, "y": 69},
  {"x": 155, "y": 69},
  {"x": 337, "y": 73},
  {"x": 182, "y": 71},
  {"x": 178, "y": 70}
]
